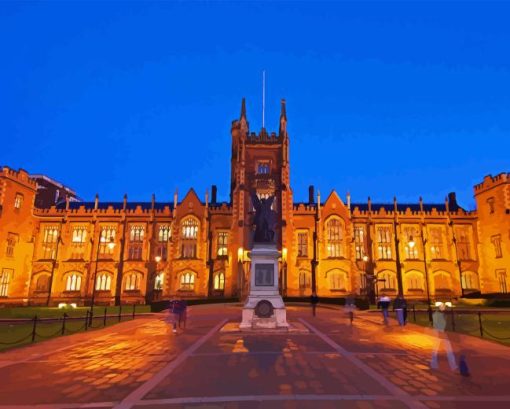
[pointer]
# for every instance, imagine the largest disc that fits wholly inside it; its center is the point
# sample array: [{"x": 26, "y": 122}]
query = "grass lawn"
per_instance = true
[{"x": 17, "y": 334}]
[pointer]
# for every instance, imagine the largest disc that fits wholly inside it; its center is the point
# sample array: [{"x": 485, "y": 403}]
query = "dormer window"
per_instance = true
[{"x": 263, "y": 167}]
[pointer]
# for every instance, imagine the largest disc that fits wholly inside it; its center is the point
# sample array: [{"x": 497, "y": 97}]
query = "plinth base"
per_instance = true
[{"x": 291, "y": 328}]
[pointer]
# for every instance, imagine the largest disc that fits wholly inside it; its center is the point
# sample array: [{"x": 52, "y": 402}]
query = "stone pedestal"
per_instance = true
[{"x": 264, "y": 307}]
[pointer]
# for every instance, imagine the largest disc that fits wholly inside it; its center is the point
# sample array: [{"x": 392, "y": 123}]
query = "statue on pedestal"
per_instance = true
[{"x": 263, "y": 220}]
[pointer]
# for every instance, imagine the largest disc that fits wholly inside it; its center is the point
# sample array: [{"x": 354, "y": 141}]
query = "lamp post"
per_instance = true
[
  {"x": 240, "y": 273},
  {"x": 397, "y": 257},
  {"x": 111, "y": 245},
  {"x": 157, "y": 259},
  {"x": 284, "y": 271},
  {"x": 367, "y": 284}
]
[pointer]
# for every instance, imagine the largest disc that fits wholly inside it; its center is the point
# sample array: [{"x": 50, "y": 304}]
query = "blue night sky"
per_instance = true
[{"x": 383, "y": 99}]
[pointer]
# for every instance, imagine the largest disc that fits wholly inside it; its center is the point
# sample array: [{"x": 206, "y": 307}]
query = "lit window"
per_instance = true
[
  {"x": 263, "y": 168},
  {"x": 50, "y": 238},
  {"x": 337, "y": 281},
  {"x": 469, "y": 280},
  {"x": 334, "y": 235},
  {"x": 18, "y": 201},
  {"x": 436, "y": 242},
  {"x": 136, "y": 235},
  {"x": 163, "y": 233},
  {"x": 386, "y": 281},
  {"x": 411, "y": 248},
  {"x": 222, "y": 244},
  {"x": 219, "y": 281},
  {"x": 189, "y": 232},
  {"x": 5, "y": 276},
  {"x": 132, "y": 282},
  {"x": 158, "y": 282},
  {"x": 303, "y": 244},
  {"x": 463, "y": 242},
  {"x": 103, "y": 282},
  {"x": 501, "y": 274},
  {"x": 107, "y": 236},
  {"x": 73, "y": 282},
  {"x": 187, "y": 282},
  {"x": 384, "y": 242},
  {"x": 79, "y": 234},
  {"x": 12, "y": 239},
  {"x": 359, "y": 241}
]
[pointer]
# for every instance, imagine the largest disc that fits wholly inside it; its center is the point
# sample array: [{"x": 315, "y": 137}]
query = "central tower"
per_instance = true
[{"x": 260, "y": 164}]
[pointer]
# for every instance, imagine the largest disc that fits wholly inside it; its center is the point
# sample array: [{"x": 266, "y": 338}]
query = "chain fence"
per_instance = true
[{"x": 20, "y": 331}]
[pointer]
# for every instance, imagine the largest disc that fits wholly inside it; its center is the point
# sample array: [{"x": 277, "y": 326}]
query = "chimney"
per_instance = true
[
  {"x": 452, "y": 200},
  {"x": 214, "y": 191},
  {"x": 311, "y": 194}
]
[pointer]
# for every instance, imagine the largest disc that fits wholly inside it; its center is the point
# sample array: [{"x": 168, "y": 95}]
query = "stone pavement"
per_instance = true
[{"x": 142, "y": 364}]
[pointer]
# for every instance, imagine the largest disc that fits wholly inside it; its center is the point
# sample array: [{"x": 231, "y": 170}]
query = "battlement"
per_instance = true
[
  {"x": 20, "y": 175},
  {"x": 490, "y": 181},
  {"x": 263, "y": 138}
]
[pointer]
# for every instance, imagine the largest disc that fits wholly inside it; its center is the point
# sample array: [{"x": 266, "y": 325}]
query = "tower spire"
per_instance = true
[
  {"x": 283, "y": 118},
  {"x": 243, "y": 108}
]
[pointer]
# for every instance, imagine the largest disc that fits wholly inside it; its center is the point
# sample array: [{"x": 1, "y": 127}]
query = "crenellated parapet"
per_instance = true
[
  {"x": 19, "y": 175},
  {"x": 490, "y": 182}
]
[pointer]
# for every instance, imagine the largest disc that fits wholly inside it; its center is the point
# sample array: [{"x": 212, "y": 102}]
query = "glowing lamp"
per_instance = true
[
  {"x": 240, "y": 254},
  {"x": 284, "y": 254},
  {"x": 365, "y": 258},
  {"x": 73, "y": 305},
  {"x": 411, "y": 242},
  {"x": 157, "y": 258},
  {"x": 62, "y": 305}
]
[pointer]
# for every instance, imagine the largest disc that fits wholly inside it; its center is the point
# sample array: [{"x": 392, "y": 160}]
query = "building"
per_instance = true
[{"x": 136, "y": 252}]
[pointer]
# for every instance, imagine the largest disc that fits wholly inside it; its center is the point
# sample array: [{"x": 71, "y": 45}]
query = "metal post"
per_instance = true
[
  {"x": 86, "y": 320},
  {"x": 34, "y": 328},
  {"x": 120, "y": 312},
  {"x": 414, "y": 313},
  {"x": 134, "y": 306},
  {"x": 104, "y": 317},
  {"x": 480, "y": 323},
  {"x": 64, "y": 324}
]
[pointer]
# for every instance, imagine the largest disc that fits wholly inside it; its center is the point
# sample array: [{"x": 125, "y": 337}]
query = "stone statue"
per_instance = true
[{"x": 263, "y": 220}]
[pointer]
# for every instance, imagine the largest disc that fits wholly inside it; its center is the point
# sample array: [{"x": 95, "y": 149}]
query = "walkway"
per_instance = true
[{"x": 141, "y": 364}]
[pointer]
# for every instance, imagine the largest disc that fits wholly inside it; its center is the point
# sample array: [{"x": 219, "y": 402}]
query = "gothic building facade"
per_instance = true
[{"x": 136, "y": 252}]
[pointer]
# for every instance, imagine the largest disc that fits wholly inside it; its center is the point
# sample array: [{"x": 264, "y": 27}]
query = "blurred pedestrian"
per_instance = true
[
  {"x": 314, "y": 299},
  {"x": 441, "y": 337},
  {"x": 384, "y": 305},
  {"x": 350, "y": 306},
  {"x": 400, "y": 307}
]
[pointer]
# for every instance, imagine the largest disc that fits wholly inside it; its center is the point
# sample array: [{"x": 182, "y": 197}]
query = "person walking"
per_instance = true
[
  {"x": 314, "y": 299},
  {"x": 350, "y": 307},
  {"x": 441, "y": 337},
  {"x": 172, "y": 316},
  {"x": 384, "y": 305},
  {"x": 400, "y": 307}
]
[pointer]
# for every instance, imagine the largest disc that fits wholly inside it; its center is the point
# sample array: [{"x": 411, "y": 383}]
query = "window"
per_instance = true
[
  {"x": 219, "y": 281},
  {"x": 436, "y": 243},
  {"x": 162, "y": 244},
  {"x": 469, "y": 280},
  {"x": 107, "y": 236},
  {"x": 73, "y": 282},
  {"x": 337, "y": 280},
  {"x": 442, "y": 281},
  {"x": 386, "y": 280},
  {"x": 158, "y": 282},
  {"x": 496, "y": 242},
  {"x": 501, "y": 274},
  {"x": 79, "y": 236},
  {"x": 132, "y": 282},
  {"x": 43, "y": 283},
  {"x": 50, "y": 239},
  {"x": 263, "y": 167},
  {"x": 359, "y": 241},
  {"x": 334, "y": 236},
  {"x": 136, "y": 235},
  {"x": 304, "y": 280},
  {"x": 187, "y": 282},
  {"x": 222, "y": 242},
  {"x": 303, "y": 244},
  {"x": 414, "y": 281},
  {"x": 491, "y": 202},
  {"x": 189, "y": 232},
  {"x": 411, "y": 235},
  {"x": 5, "y": 276},
  {"x": 384, "y": 242},
  {"x": 463, "y": 243},
  {"x": 103, "y": 282},
  {"x": 18, "y": 201},
  {"x": 12, "y": 239}
]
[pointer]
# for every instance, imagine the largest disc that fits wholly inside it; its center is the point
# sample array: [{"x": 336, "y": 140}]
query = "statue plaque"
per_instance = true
[{"x": 264, "y": 275}]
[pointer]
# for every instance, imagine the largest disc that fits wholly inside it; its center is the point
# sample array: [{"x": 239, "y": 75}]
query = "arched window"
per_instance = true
[
  {"x": 304, "y": 280},
  {"x": 43, "y": 283},
  {"x": 469, "y": 280},
  {"x": 189, "y": 232},
  {"x": 334, "y": 236},
  {"x": 5, "y": 276},
  {"x": 442, "y": 281},
  {"x": 386, "y": 280},
  {"x": 219, "y": 281},
  {"x": 103, "y": 282},
  {"x": 158, "y": 282},
  {"x": 132, "y": 282},
  {"x": 73, "y": 282},
  {"x": 187, "y": 282},
  {"x": 414, "y": 281},
  {"x": 337, "y": 280}
]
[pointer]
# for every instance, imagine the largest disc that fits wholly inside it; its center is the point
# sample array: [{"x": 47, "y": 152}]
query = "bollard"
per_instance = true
[
  {"x": 414, "y": 313},
  {"x": 120, "y": 312},
  {"x": 33, "y": 328},
  {"x": 86, "y": 320},
  {"x": 134, "y": 306},
  {"x": 480, "y": 323},
  {"x": 104, "y": 317},
  {"x": 64, "y": 324}
]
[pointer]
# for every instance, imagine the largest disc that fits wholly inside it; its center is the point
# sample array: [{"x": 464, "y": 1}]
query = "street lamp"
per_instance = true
[
  {"x": 284, "y": 271},
  {"x": 111, "y": 246},
  {"x": 365, "y": 275}
]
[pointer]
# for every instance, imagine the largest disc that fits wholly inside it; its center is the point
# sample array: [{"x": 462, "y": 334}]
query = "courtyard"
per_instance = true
[{"x": 142, "y": 364}]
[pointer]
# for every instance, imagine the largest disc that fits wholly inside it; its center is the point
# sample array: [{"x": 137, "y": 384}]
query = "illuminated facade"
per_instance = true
[{"x": 197, "y": 247}]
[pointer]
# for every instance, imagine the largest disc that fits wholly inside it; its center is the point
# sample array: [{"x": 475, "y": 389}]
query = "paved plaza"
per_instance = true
[{"x": 142, "y": 364}]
